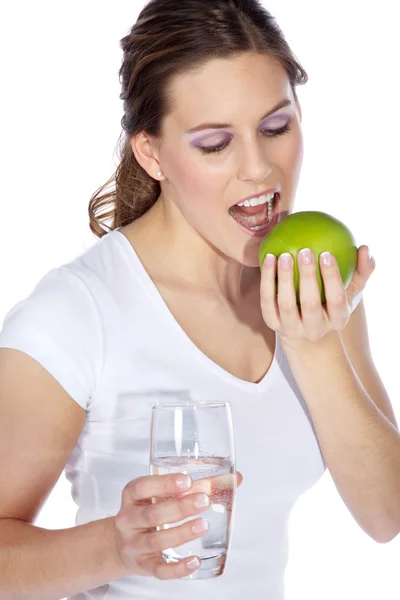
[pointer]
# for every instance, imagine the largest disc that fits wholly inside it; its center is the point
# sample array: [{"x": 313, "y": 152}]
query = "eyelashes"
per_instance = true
[{"x": 265, "y": 132}]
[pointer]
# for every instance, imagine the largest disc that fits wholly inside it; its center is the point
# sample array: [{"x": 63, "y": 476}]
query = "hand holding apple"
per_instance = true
[
  {"x": 309, "y": 285},
  {"x": 320, "y": 233}
]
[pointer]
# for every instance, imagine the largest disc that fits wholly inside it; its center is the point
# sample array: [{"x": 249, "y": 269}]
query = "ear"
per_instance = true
[{"x": 144, "y": 148}]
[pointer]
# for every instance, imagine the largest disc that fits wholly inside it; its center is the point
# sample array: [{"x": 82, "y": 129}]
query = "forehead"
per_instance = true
[{"x": 222, "y": 87}]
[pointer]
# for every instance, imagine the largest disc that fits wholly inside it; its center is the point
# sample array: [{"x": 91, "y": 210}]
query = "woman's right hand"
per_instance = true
[{"x": 138, "y": 544}]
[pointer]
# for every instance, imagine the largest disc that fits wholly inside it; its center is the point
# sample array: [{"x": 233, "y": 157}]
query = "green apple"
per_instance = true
[{"x": 315, "y": 230}]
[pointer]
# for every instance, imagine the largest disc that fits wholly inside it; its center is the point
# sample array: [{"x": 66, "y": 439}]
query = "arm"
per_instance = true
[
  {"x": 39, "y": 427},
  {"x": 360, "y": 442},
  {"x": 41, "y": 564}
]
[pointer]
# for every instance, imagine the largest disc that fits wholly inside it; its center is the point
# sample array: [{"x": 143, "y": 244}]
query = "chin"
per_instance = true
[{"x": 250, "y": 259}]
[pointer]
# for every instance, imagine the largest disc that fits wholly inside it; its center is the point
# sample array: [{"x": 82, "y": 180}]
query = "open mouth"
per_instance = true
[{"x": 257, "y": 219}]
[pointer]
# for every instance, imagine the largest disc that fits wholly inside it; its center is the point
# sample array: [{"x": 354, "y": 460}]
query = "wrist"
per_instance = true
[
  {"x": 113, "y": 548},
  {"x": 305, "y": 348}
]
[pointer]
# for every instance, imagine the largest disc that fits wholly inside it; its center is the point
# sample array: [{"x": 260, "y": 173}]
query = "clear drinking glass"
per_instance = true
[{"x": 196, "y": 438}]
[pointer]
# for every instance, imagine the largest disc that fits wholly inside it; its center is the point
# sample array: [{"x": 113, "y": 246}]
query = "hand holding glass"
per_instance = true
[{"x": 196, "y": 438}]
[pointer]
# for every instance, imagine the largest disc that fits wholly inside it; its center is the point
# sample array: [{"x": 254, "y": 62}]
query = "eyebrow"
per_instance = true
[{"x": 280, "y": 104}]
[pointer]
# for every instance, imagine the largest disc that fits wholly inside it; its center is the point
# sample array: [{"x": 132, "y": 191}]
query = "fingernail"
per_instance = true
[
  {"x": 326, "y": 258},
  {"x": 370, "y": 257},
  {"x": 269, "y": 260},
  {"x": 193, "y": 563},
  {"x": 305, "y": 255},
  {"x": 200, "y": 526},
  {"x": 286, "y": 260},
  {"x": 183, "y": 482},
  {"x": 201, "y": 501}
]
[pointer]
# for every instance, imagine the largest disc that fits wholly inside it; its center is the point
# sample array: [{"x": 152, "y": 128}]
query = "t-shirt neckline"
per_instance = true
[{"x": 153, "y": 292}]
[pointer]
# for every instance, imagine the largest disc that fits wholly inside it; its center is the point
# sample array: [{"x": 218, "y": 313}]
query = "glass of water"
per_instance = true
[{"x": 196, "y": 438}]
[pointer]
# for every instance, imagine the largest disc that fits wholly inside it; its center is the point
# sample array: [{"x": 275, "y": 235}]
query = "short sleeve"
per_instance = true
[{"x": 58, "y": 325}]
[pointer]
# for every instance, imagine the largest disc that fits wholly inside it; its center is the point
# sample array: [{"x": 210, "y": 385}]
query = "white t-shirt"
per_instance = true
[{"x": 99, "y": 325}]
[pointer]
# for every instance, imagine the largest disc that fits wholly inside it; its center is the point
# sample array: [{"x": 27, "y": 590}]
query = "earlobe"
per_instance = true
[{"x": 144, "y": 153}]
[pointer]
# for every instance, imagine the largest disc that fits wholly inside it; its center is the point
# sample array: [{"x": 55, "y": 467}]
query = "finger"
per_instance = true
[
  {"x": 268, "y": 296},
  {"x": 365, "y": 265},
  {"x": 312, "y": 312},
  {"x": 173, "y": 537},
  {"x": 213, "y": 485},
  {"x": 363, "y": 272},
  {"x": 157, "y": 567},
  {"x": 288, "y": 310},
  {"x": 336, "y": 297},
  {"x": 154, "y": 486},
  {"x": 162, "y": 512},
  {"x": 180, "y": 507}
]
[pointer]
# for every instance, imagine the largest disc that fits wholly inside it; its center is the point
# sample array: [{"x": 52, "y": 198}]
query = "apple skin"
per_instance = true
[{"x": 321, "y": 233}]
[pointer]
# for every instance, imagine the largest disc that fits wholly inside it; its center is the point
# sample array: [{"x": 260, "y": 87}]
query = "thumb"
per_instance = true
[{"x": 365, "y": 268}]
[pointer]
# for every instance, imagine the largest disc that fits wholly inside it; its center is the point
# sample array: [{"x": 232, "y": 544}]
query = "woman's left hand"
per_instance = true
[{"x": 313, "y": 320}]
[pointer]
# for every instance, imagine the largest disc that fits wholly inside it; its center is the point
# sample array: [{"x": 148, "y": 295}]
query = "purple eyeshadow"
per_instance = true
[
  {"x": 207, "y": 138},
  {"x": 276, "y": 120}
]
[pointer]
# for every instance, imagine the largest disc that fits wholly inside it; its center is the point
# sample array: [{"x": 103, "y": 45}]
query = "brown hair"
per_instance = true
[{"x": 173, "y": 37}]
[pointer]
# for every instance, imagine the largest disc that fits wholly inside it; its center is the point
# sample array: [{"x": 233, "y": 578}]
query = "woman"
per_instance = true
[{"x": 172, "y": 298}]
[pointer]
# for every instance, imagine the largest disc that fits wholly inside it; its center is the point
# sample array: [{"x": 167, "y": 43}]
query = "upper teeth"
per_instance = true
[{"x": 257, "y": 201}]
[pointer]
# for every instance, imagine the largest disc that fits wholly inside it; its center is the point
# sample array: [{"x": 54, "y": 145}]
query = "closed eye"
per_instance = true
[{"x": 268, "y": 133}]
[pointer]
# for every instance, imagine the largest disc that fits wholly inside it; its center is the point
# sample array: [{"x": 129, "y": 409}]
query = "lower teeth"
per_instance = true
[
  {"x": 270, "y": 212},
  {"x": 258, "y": 227}
]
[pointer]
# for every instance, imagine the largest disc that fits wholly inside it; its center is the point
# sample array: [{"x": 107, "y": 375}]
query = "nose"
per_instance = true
[{"x": 254, "y": 165}]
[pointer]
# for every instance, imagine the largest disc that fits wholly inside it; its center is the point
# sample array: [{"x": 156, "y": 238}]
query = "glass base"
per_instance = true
[{"x": 212, "y": 566}]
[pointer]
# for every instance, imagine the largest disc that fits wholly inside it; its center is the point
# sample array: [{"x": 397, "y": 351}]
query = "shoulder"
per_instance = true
[
  {"x": 58, "y": 325},
  {"x": 61, "y": 291}
]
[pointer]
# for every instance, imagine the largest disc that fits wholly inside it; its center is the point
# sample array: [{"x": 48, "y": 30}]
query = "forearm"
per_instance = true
[
  {"x": 42, "y": 564},
  {"x": 360, "y": 446}
]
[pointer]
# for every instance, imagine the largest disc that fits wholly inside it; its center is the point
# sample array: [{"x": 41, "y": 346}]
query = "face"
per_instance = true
[{"x": 254, "y": 152}]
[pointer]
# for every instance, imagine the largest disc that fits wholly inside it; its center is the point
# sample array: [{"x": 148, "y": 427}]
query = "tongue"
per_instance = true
[
  {"x": 250, "y": 210},
  {"x": 250, "y": 216}
]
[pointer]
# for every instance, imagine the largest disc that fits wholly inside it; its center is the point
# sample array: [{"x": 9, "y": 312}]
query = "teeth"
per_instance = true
[
  {"x": 269, "y": 219},
  {"x": 267, "y": 199},
  {"x": 258, "y": 227},
  {"x": 258, "y": 201}
]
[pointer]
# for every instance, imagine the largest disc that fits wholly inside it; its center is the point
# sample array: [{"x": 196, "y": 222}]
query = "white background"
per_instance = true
[{"x": 60, "y": 121}]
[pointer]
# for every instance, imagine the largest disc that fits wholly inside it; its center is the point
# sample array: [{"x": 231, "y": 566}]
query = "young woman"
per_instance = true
[{"x": 172, "y": 298}]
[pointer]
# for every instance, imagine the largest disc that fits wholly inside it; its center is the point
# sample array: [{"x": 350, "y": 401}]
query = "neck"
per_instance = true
[{"x": 184, "y": 259}]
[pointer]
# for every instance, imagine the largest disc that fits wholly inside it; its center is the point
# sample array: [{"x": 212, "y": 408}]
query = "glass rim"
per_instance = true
[{"x": 189, "y": 404}]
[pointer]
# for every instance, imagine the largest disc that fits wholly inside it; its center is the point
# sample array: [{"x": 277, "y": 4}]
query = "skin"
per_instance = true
[{"x": 190, "y": 225}]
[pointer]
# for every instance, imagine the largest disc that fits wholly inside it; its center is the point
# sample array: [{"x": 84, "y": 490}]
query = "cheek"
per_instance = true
[
  {"x": 296, "y": 157},
  {"x": 193, "y": 184},
  {"x": 296, "y": 150},
  {"x": 290, "y": 157}
]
